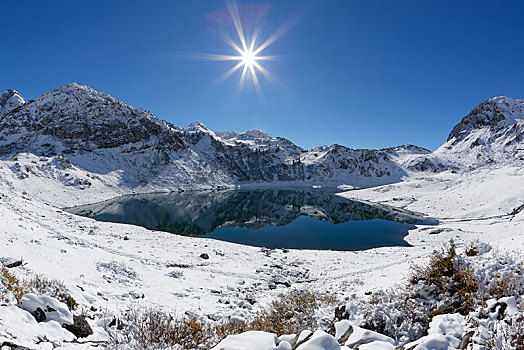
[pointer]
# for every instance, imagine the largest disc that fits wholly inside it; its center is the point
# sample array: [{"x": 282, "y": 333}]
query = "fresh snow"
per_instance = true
[{"x": 109, "y": 267}]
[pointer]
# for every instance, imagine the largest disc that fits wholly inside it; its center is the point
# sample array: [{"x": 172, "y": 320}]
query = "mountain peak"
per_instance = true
[
  {"x": 502, "y": 99},
  {"x": 9, "y": 100},
  {"x": 85, "y": 118},
  {"x": 75, "y": 87},
  {"x": 254, "y": 134},
  {"x": 196, "y": 127},
  {"x": 495, "y": 113}
]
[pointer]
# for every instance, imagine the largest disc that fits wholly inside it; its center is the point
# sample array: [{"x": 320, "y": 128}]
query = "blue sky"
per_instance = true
[{"x": 366, "y": 74}]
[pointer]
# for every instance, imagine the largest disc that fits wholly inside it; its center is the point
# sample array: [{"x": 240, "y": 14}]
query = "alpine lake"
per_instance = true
[{"x": 294, "y": 218}]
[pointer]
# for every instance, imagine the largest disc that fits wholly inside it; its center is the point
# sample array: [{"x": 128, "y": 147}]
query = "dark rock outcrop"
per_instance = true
[{"x": 80, "y": 328}]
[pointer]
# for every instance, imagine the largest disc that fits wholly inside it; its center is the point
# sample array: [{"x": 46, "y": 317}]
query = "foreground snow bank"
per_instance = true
[
  {"x": 19, "y": 327},
  {"x": 499, "y": 325}
]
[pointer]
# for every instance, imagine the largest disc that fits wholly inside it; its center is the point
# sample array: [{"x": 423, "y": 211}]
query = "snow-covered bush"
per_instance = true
[
  {"x": 292, "y": 312},
  {"x": 501, "y": 276},
  {"x": 146, "y": 328},
  {"x": 448, "y": 280},
  {"x": 12, "y": 289},
  {"x": 449, "y": 283},
  {"x": 507, "y": 335},
  {"x": 54, "y": 288}
]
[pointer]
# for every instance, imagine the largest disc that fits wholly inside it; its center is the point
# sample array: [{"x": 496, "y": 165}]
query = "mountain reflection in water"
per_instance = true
[{"x": 273, "y": 218}]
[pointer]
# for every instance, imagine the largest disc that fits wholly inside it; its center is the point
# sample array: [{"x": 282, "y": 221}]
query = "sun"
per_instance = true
[
  {"x": 248, "y": 51},
  {"x": 249, "y": 58}
]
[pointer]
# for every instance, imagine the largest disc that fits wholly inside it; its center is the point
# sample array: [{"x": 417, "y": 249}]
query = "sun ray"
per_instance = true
[
  {"x": 269, "y": 76},
  {"x": 231, "y": 71},
  {"x": 243, "y": 76},
  {"x": 233, "y": 12},
  {"x": 255, "y": 80},
  {"x": 248, "y": 49}
]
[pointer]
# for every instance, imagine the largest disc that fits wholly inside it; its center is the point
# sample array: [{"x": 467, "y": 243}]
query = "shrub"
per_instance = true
[
  {"x": 147, "y": 328},
  {"x": 503, "y": 276},
  {"x": 449, "y": 279},
  {"x": 144, "y": 328},
  {"x": 50, "y": 287},
  {"x": 39, "y": 284},
  {"x": 446, "y": 284},
  {"x": 10, "y": 285},
  {"x": 292, "y": 312},
  {"x": 396, "y": 314}
]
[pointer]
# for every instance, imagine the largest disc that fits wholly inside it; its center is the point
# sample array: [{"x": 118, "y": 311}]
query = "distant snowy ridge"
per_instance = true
[{"x": 114, "y": 144}]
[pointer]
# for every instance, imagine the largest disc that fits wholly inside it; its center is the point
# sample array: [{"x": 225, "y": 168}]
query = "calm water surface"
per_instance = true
[{"x": 272, "y": 218}]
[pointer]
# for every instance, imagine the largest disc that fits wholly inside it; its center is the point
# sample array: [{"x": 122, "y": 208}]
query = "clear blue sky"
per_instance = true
[{"x": 365, "y": 74}]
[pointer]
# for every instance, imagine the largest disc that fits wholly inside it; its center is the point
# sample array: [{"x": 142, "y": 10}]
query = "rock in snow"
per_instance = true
[
  {"x": 46, "y": 309},
  {"x": 20, "y": 325}
]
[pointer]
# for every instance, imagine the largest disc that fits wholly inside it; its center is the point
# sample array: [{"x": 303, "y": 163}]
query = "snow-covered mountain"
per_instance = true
[
  {"x": 131, "y": 148},
  {"x": 492, "y": 132},
  {"x": 102, "y": 135}
]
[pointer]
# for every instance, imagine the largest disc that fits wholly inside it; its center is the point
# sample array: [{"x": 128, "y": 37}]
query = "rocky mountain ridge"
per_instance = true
[{"x": 102, "y": 135}]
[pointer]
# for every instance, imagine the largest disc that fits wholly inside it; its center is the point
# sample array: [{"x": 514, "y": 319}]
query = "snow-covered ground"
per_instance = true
[{"x": 112, "y": 266}]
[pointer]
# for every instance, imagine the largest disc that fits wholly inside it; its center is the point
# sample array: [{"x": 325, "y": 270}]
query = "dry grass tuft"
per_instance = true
[{"x": 11, "y": 284}]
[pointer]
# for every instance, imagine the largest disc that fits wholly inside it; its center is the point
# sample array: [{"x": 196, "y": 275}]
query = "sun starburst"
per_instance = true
[{"x": 248, "y": 51}]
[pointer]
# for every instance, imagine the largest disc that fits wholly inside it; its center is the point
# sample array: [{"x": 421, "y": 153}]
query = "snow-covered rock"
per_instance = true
[
  {"x": 362, "y": 336},
  {"x": 377, "y": 345},
  {"x": 46, "y": 309},
  {"x": 254, "y": 340},
  {"x": 449, "y": 324},
  {"x": 434, "y": 342},
  {"x": 320, "y": 341}
]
